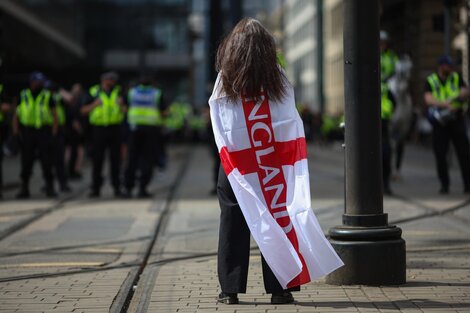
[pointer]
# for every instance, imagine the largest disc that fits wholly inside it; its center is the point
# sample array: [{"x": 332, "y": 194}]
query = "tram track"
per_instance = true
[
  {"x": 161, "y": 203},
  {"x": 124, "y": 297},
  {"x": 39, "y": 213},
  {"x": 431, "y": 212},
  {"x": 139, "y": 264}
]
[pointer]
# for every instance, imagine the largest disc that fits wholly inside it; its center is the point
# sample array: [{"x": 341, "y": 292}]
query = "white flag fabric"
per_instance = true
[{"x": 263, "y": 152}]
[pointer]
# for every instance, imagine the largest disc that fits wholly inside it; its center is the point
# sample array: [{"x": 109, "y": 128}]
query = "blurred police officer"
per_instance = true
[
  {"x": 5, "y": 108},
  {"x": 144, "y": 117},
  {"x": 105, "y": 109},
  {"x": 387, "y": 106},
  {"x": 445, "y": 95},
  {"x": 59, "y": 138},
  {"x": 388, "y": 58},
  {"x": 75, "y": 129},
  {"x": 35, "y": 122}
]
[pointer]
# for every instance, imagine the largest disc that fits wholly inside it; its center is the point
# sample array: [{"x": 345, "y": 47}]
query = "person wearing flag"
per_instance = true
[{"x": 263, "y": 186}]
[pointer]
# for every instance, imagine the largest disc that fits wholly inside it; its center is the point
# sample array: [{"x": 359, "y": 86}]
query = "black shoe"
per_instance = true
[
  {"x": 94, "y": 194},
  {"x": 144, "y": 194},
  {"x": 388, "y": 191},
  {"x": 282, "y": 298},
  {"x": 466, "y": 190},
  {"x": 65, "y": 188},
  {"x": 75, "y": 176},
  {"x": 118, "y": 193},
  {"x": 227, "y": 298},
  {"x": 444, "y": 191},
  {"x": 50, "y": 193},
  {"x": 127, "y": 194},
  {"x": 23, "y": 194}
]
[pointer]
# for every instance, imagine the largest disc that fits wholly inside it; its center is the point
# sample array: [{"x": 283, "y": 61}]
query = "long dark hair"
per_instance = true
[{"x": 247, "y": 62}]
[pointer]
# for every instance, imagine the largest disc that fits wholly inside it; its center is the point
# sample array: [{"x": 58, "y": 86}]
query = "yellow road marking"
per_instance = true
[
  {"x": 54, "y": 264},
  {"x": 101, "y": 250}
]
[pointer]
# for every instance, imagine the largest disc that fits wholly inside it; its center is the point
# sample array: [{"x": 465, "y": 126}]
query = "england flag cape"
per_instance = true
[{"x": 263, "y": 152}]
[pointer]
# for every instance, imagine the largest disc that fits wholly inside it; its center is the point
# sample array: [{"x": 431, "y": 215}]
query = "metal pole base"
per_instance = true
[{"x": 372, "y": 256}]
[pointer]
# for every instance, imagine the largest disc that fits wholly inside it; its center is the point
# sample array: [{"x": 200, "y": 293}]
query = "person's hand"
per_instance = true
[
  {"x": 77, "y": 126},
  {"x": 453, "y": 108},
  {"x": 447, "y": 104},
  {"x": 5, "y": 107},
  {"x": 97, "y": 102},
  {"x": 55, "y": 130}
]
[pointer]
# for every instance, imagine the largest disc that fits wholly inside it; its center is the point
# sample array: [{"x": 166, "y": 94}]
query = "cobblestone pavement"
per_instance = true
[
  {"x": 82, "y": 292},
  {"x": 182, "y": 275},
  {"x": 78, "y": 258}
]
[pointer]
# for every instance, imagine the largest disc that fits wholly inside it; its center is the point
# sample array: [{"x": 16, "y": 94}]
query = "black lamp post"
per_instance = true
[{"x": 373, "y": 251}]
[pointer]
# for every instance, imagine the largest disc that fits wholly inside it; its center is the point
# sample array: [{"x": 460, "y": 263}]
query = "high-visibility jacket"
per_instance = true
[
  {"x": 35, "y": 112},
  {"x": 59, "y": 108},
  {"x": 177, "y": 114},
  {"x": 449, "y": 90},
  {"x": 2, "y": 117},
  {"x": 281, "y": 60},
  {"x": 196, "y": 122},
  {"x": 144, "y": 104},
  {"x": 388, "y": 60},
  {"x": 109, "y": 111},
  {"x": 386, "y": 103}
]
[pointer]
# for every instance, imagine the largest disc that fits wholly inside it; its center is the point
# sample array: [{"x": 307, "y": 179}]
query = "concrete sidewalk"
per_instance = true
[{"x": 182, "y": 275}]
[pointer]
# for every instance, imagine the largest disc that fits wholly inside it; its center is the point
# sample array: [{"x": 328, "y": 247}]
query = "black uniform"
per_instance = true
[
  {"x": 3, "y": 131},
  {"x": 387, "y": 150},
  {"x": 59, "y": 154},
  {"x": 142, "y": 141},
  {"x": 74, "y": 136},
  {"x": 453, "y": 131},
  {"x": 105, "y": 138},
  {"x": 234, "y": 245}
]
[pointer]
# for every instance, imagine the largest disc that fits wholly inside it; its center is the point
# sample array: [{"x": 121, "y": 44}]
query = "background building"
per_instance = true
[
  {"x": 75, "y": 40},
  {"x": 303, "y": 51},
  {"x": 333, "y": 57}
]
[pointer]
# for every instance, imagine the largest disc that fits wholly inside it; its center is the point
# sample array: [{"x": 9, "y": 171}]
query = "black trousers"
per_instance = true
[
  {"x": 161, "y": 155},
  {"x": 454, "y": 132},
  {"x": 36, "y": 142},
  {"x": 106, "y": 138},
  {"x": 73, "y": 140},
  {"x": 234, "y": 245},
  {"x": 141, "y": 155},
  {"x": 386, "y": 154},
  {"x": 214, "y": 151},
  {"x": 399, "y": 152},
  {"x": 59, "y": 157},
  {"x": 3, "y": 134}
]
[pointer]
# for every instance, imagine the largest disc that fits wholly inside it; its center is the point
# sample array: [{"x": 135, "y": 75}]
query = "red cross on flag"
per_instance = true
[{"x": 263, "y": 152}]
